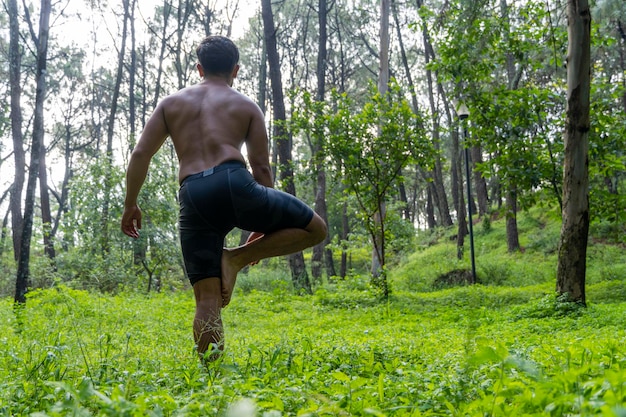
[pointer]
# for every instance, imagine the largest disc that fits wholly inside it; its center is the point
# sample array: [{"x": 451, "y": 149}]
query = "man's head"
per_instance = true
[{"x": 218, "y": 55}]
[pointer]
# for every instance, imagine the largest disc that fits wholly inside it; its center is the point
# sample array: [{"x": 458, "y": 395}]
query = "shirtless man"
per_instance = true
[{"x": 208, "y": 124}]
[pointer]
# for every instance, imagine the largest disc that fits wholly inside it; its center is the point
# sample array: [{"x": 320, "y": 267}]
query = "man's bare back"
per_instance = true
[{"x": 209, "y": 123}]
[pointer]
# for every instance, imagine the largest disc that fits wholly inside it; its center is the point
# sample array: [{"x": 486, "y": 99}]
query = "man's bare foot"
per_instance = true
[{"x": 229, "y": 276}]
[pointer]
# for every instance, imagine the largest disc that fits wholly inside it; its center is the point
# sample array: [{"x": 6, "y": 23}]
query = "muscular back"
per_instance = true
[{"x": 209, "y": 123}]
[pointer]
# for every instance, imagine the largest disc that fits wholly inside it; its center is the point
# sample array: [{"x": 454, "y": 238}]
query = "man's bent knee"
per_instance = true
[{"x": 317, "y": 227}]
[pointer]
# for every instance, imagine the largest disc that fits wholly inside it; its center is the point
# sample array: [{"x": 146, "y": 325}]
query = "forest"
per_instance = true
[{"x": 448, "y": 145}]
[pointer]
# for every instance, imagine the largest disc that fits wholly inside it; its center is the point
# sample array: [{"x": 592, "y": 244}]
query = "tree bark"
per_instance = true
[
  {"x": 406, "y": 210},
  {"x": 378, "y": 250},
  {"x": 345, "y": 230},
  {"x": 512, "y": 235},
  {"x": 457, "y": 173},
  {"x": 480, "y": 184},
  {"x": 167, "y": 10},
  {"x": 430, "y": 210},
  {"x": 22, "y": 281},
  {"x": 438, "y": 191},
  {"x": 108, "y": 185},
  {"x": 299, "y": 274},
  {"x": 320, "y": 254},
  {"x": 572, "y": 260},
  {"x": 44, "y": 201},
  {"x": 15, "y": 67}
]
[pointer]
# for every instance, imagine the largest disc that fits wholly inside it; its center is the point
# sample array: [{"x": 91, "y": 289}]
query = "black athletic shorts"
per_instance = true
[{"x": 215, "y": 201}]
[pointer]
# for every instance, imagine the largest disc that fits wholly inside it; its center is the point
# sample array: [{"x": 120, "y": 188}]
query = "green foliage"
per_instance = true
[
  {"x": 471, "y": 351},
  {"x": 607, "y": 158},
  {"x": 154, "y": 256},
  {"x": 371, "y": 147},
  {"x": 506, "y": 347}
]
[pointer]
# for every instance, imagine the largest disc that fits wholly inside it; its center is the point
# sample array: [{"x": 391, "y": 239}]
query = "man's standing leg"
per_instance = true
[{"x": 208, "y": 330}]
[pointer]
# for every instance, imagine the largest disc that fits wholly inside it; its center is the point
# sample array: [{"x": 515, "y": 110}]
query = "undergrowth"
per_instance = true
[
  {"x": 508, "y": 346},
  {"x": 471, "y": 351}
]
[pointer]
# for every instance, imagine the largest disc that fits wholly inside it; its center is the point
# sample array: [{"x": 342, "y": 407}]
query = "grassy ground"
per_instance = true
[{"x": 506, "y": 347}]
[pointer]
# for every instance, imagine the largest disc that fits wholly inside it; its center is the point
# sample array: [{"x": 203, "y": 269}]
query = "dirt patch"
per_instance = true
[{"x": 455, "y": 278}]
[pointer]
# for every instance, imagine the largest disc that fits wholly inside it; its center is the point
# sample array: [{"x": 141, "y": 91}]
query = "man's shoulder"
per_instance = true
[{"x": 184, "y": 95}]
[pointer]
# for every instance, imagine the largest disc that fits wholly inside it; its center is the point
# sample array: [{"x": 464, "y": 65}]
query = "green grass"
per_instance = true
[
  {"x": 467, "y": 351},
  {"x": 505, "y": 347}
]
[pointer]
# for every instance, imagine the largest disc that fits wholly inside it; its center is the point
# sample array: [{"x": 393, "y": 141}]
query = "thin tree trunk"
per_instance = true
[
  {"x": 405, "y": 63},
  {"x": 299, "y": 274},
  {"x": 108, "y": 180},
  {"x": 512, "y": 235},
  {"x": 439, "y": 190},
  {"x": 345, "y": 230},
  {"x": 320, "y": 253},
  {"x": 480, "y": 184},
  {"x": 167, "y": 9},
  {"x": 15, "y": 68},
  {"x": 378, "y": 238},
  {"x": 181, "y": 58},
  {"x": 67, "y": 155},
  {"x": 456, "y": 168},
  {"x": 23, "y": 267},
  {"x": 430, "y": 210},
  {"x": 572, "y": 260},
  {"x": 44, "y": 201}
]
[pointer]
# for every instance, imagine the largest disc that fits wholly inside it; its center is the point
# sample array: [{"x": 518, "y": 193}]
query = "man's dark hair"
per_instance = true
[{"x": 217, "y": 55}]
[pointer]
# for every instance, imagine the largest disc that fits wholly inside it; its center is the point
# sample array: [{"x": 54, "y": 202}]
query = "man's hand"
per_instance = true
[{"x": 131, "y": 221}]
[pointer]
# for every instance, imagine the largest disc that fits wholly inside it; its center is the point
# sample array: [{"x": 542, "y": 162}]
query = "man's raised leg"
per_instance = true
[{"x": 281, "y": 242}]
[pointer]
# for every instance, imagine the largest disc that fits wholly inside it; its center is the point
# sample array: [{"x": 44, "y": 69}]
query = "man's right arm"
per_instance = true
[
  {"x": 154, "y": 134},
  {"x": 257, "y": 145}
]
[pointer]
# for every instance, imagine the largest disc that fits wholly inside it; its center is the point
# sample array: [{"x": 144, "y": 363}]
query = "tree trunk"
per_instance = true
[
  {"x": 345, "y": 230},
  {"x": 44, "y": 201},
  {"x": 23, "y": 267},
  {"x": 457, "y": 183},
  {"x": 512, "y": 235},
  {"x": 480, "y": 184},
  {"x": 108, "y": 180},
  {"x": 406, "y": 210},
  {"x": 296, "y": 261},
  {"x": 430, "y": 210},
  {"x": 15, "y": 68},
  {"x": 439, "y": 190},
  {"x": 572, "y": 261},
  {"x": 181, "y": 57},
  {"x": 378, "y": 250},
  {"x": 167, "y": 10},
  {"x": 321, "y": 255},
  {"x": 67, "y": 156}
]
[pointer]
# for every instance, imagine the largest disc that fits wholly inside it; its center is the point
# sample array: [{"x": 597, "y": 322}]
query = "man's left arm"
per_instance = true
[{"x": 154, "y": 134}]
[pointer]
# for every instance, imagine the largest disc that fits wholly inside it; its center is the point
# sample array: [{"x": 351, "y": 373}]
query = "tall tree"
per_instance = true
[
  {"x": 15, "y": 82},
  {"x": 513, "y": 76},
  {"x": 572, "y": 259},
  {"x": 41, "y": 42},
  {"x": 378, "y": 260},
  {"x": 111, "y": 123},
  {"x": 299, "y": 274},
  {"x": 321, "y": 251},
  {"x": 437, "y": 188},
  {"x": 44, "y": 202}
]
